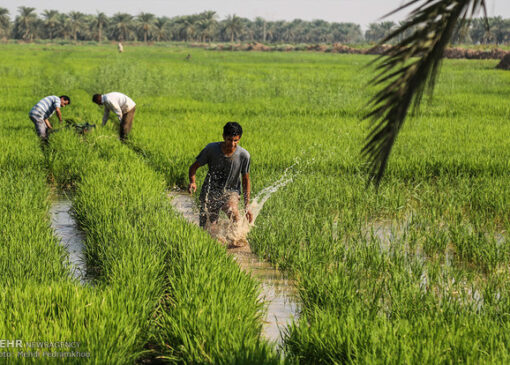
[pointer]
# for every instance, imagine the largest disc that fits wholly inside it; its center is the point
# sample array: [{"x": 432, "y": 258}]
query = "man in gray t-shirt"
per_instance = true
[{"x": 222, "y": 186}]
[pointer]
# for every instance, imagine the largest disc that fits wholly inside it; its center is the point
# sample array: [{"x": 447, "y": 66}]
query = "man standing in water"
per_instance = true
[
  {"x": 43, "y": 110},
  {"x": 227, "y": 162},
  {"x": 120, "y": 104}
]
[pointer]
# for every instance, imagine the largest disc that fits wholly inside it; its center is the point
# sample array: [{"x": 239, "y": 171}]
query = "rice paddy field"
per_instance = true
[{"x": 414, "y": 272}]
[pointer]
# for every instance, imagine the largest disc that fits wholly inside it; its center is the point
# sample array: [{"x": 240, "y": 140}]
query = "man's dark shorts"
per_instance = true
[{"x": 213, "y": 202}]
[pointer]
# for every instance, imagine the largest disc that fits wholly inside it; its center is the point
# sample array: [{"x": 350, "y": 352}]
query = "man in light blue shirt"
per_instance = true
[{"x": 43, "y": 110}]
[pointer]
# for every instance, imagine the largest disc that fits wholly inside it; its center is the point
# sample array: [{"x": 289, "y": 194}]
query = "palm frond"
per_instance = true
[{"x": 406, "y": 70}]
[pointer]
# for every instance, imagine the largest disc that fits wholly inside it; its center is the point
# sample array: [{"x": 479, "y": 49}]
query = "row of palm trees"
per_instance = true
[
  {"x": 204, "y": 27},
  {"x": 473, "y": 32}
]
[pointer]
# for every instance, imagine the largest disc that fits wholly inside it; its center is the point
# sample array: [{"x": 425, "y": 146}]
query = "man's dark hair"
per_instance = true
[
  {"x": 96, "y": 98},
  {"x": 232, "y": 129},
  {"x": 66, "y": 98}
]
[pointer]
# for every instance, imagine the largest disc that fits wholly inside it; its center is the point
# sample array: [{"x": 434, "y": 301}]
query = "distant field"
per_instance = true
[{"x": 414, "y": 273}]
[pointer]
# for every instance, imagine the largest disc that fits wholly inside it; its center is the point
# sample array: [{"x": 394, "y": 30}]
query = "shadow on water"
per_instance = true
[
  {"x": 71, "y": 237},
  {"x": 277, "y": 291}
]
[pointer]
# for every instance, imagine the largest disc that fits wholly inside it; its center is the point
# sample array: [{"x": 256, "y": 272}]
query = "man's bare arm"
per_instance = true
[
  {"x": 59, "y": 114},
  {"x": 246, "y": 188},
  {"x": 246, "y": 192},
  {"x": 192, "y": 187},
  {"x": 47, "y": 122}
]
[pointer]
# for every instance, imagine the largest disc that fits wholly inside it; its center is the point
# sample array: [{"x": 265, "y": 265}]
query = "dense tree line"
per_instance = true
[
  {"x": 206, "y": 27},
  {"x": 473, "y": 32},
  {"x": 203, "y": 27}
]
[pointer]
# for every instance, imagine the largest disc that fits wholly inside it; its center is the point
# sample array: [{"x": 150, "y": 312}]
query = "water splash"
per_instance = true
[
  {"x": 261, "y": 198},
  {"x": 235, "y": 233},
  {"x": 277, "y": 291}
]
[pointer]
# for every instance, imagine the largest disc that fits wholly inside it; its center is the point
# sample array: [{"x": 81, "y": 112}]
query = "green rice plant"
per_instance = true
[
  {"x": 429, "y": 186},
  {"x": 195, "y": 279},
  {"x": 41, "y": 301},
  {"x": 413, "y": 273}
]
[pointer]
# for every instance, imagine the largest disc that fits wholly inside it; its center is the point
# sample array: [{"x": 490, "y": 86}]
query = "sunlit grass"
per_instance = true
[{"x": 416, "y": 272}]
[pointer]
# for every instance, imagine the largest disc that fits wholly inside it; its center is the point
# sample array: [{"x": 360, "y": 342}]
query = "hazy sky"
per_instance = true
[{"x": 357, "y": 11}]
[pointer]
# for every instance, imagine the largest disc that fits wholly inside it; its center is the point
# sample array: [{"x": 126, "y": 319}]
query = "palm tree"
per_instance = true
[
  {"x": 51, "y": 22},
  {"x": 320, "y": 31},
  {"x": 187, "y": 27},
  {"x": 98, "y": 23},
  {"x": 499, "y": 28},
  {"x": 233, "y": 26},
  {"x": 77, "y": 22},
  {"x": 64, "y": 26},
  {"x": 288, "y": 33},
  {"x": 26, "y": 23},
  {"x": 387, "y": 28},
  {"x": 299, "y": 29},
  {"x": 479, "y": 32},
  {"x": 5, "y": 22},
  {"x": 259, "y": 28},
  {"x": 348, "y": 33},
  {"x": 269, "y": 31},
  {"x": 247, "y": 32},
  {"x": 161, "y": 28},
  {"x": 372, "y": 33},
  {"x": 460, "y": 35},
  {"x": 410, "y": 67},
  {"x": 122, "y": 26},
  {"x": 378, "y": 31},
  {"x": 207, "y": 25},
  {"x": 145, "y": 22}
]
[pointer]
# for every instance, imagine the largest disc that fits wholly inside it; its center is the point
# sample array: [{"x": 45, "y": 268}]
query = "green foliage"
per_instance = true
[
  {"x": 410, "y": 68},
  {"x": 160, "y": 287},
  {"x": 403, "y": 275},
  {"x": 140, "y": 247},
  {"x": 416, "y": 273}
]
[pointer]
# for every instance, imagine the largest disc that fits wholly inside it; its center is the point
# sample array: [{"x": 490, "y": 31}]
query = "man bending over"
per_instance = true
[
  {"x": 122, "y": 106},
  {"x": 43, "y": 110}
]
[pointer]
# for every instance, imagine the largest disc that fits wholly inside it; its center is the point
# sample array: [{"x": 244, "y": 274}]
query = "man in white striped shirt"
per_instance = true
[
  {"x": 43, "y": 110},
  {"x": 122, "y": 106}
]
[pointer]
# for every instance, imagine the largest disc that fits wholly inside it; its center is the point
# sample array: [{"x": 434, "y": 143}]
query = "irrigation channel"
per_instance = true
[
  {"x": 71, "y": 237},
  {"x": 277, "y": 290}
]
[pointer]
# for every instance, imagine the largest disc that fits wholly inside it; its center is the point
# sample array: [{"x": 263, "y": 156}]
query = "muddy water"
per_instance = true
[
  {"x": 278, "y": 292},
  {"x": 70, "y": 236}
]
